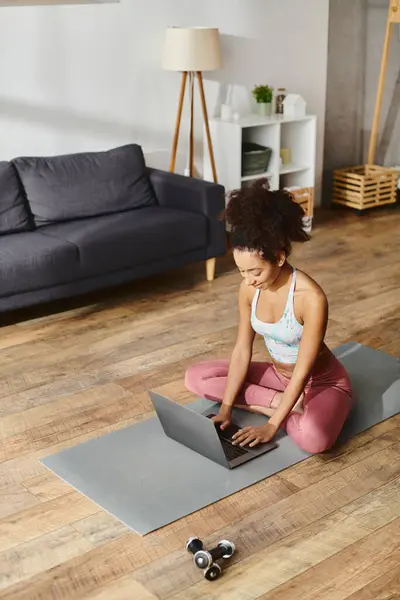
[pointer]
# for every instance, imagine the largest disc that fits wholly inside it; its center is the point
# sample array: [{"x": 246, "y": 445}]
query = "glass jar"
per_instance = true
[{"x": 281, "y": 95}]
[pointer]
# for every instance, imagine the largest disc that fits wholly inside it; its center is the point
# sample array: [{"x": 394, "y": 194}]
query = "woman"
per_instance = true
[{"x": 305, "y": 389}]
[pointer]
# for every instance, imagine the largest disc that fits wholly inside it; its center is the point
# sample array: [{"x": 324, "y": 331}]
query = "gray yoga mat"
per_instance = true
[{"x": 147, "y": 480}]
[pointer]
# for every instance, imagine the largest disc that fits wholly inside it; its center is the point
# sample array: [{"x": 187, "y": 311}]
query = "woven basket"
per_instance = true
[{"x": 255, "y": 159}]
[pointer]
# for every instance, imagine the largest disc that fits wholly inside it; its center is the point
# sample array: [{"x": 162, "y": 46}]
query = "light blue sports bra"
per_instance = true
[{"x": 282, "y": 338}]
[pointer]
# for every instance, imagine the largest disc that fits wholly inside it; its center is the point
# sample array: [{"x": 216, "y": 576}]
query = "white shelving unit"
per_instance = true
[{"x": 276, "y": 132}]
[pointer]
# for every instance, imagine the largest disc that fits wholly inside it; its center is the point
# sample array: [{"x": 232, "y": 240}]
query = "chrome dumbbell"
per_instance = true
[
  {"x": 194, "y": 545},
  {"x": 205, "y": 560},
  {"x": 212, "y": 572}
]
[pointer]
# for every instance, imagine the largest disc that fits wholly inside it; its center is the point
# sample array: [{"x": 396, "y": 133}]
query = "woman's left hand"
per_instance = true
[{"x": 254, "y": 435}]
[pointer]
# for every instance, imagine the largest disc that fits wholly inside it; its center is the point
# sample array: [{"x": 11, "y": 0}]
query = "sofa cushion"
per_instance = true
[
  {"x": 30, "y": 261},
  {"x": 62, "y": 188},
  {"x": 14, "y": 215},
  {"x": 137, "y": 237}
]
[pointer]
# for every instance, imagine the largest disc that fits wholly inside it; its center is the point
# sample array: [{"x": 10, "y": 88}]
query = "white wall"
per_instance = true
[
  {"x": 76, "y": 78},
  {"x": 388, "y": 149},
  {"x": 345, "y": 85}
]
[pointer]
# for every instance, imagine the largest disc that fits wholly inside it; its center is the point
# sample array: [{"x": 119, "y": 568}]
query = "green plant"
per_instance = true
[{"x": 263, "y": 93}]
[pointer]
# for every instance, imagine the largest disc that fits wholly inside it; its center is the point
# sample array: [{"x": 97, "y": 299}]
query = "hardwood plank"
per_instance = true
[
  {"x": 47, "y": 486},
  {"x": 44, "y": 518},
  {"x": 15, "y": 498},
  {"x": 100, "y": 528},
  {"x": 30, "y": 417},
  {"x": 73, "y": 428},
  {"x": 368, "y": 285},
  {"x": 48, "y": 383},
  {"x": 85, "y": 371},
  {"x": 11, "y": 358},
  {"x": 88, "y": 315},
  {"x": 77, "y": 414},
  {"x": 373, "y": 440},
  {"x": 92, "y": 571},
  {"x": 237, "y": 507},
  {"x": 385, "y": 587},
  {"x": 14, "y": 471},
  {"x": 82, "y": 423},
  {"x": 60, "y": 364},
  {"x": 11, "y": 337},
  {"x": 140, "y": 322},
  {"x": 25, "y": 561},
  {"x": 226, "y": 511},
  {"x": 377, "y": 307},
  {"x": 262, "y": 527},
  {"x": 97, "y": 568},
  {"x": 379, "y": 464},
  {"x": 24, "y": 467},
  {"x": 2, "y": 451},
  {"x": 277, "y": 566},
  {"x": 125, "y": 588},
  {"x": 349, "y": 572}
]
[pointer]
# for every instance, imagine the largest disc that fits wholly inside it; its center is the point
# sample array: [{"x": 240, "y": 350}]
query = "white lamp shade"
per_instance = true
[{"x": 192, "y": 49}]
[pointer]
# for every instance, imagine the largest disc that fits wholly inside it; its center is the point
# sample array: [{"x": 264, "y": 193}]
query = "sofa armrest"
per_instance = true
[
  {"x": 194, "y": 195},
  {"x": 186, "y": 193}
]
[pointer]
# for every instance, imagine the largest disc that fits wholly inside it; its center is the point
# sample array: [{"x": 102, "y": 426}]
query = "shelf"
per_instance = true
[
  {"x": 254, "y": 120},
  {"x": 275, "y": 132},
  {"x": 292, "y": 168},
  {"x": 256, "y": 176}
]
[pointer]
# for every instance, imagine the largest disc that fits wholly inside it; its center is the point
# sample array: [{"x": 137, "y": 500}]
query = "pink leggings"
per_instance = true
[{"x": 326, "y": 405}]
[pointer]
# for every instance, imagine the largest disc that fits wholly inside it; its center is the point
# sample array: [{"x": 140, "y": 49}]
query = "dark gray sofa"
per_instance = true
[{"x": 75, "y": 223}]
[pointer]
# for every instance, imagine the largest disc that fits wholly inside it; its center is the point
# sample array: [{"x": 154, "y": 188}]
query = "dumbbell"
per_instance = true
[
  {"x": 212, "y": 572},
  {"x": 204, "y": 559},
  {"x": 194, "y": 545}
]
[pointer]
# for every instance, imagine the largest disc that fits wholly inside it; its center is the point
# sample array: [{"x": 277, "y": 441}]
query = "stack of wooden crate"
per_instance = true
[{"x": 365, "y": 186}]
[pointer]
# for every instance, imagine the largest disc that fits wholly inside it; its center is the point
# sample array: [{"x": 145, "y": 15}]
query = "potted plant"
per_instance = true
[{"x": 263, "y": 96}]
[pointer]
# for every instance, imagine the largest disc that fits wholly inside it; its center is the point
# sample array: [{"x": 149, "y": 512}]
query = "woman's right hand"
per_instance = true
[{"x": 223, "y": 418}]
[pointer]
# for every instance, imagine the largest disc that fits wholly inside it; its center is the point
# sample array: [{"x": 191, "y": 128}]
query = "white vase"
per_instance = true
[
  {"x": 226, "y": 112},
  {"x": 264, "y": 109}
]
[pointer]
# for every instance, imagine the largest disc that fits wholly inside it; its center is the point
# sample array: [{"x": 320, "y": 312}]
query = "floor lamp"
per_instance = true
[{"x": 191, "y": 51}]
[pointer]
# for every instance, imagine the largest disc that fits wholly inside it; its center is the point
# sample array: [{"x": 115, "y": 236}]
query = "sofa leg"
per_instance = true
[{"x": 210, "y": 268}]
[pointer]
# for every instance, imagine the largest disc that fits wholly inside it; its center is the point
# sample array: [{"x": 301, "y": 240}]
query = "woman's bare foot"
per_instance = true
[
  {"x": 298, "y": 407},
  {"x": 262, "y": 410},
  {"x": 268, "y": 412}
]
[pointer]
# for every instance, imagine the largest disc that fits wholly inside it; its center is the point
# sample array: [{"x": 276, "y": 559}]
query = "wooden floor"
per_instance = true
[{"x": 326, "y": 529}]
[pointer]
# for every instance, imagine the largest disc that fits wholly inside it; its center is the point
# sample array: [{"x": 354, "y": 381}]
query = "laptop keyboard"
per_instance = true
[{"x": 232, "y": 452}]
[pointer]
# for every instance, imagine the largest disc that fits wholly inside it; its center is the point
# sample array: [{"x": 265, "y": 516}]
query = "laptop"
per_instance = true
[{"x": 198, "y": 432}]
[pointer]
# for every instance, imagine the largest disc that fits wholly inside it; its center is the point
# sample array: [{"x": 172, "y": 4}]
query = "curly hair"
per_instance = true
[{"x": 264, "y": 221}]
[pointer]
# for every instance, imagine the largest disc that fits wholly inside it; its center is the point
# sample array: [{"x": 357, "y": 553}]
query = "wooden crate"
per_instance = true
[
  {"x": 304, "y": 197},
  {"x": 364, "y": 186}
]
